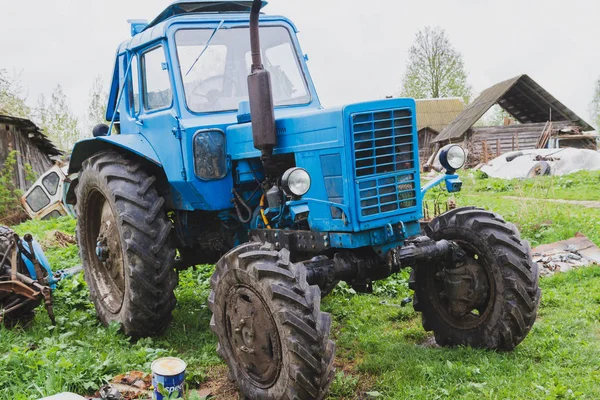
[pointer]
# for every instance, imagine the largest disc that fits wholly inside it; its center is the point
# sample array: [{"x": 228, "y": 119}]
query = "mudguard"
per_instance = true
[{"x": 136, "y": 144}]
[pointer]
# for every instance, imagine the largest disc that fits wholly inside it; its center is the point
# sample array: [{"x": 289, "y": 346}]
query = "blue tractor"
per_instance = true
[{"x": 219, "y": 151}]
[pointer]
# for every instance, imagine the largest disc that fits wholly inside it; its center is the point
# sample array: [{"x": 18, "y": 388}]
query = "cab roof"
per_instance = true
[
  {"x": 203, "y": 6},
  {"x": 159, "y": 31}
]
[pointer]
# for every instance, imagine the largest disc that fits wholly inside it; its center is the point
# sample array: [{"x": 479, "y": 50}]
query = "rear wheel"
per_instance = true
[
  {"x": 123, "y": 234},
  {"x": 271, "y": 331},
  {"x": 489, "y": 300}
]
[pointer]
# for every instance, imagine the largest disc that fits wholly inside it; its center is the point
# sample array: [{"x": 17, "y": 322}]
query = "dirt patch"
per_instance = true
[
  {"x": 219, "y": 385},
  {"x": 584, "y": 203}
]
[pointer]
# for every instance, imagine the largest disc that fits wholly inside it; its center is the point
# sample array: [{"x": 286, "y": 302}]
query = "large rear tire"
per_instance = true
[
  {"x": 501, "y": 296},
  {"x": 123, "y": 234},
  {"x": 271, "y": 331}
]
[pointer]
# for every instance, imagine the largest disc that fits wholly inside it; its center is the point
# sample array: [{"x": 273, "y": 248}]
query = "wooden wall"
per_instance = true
[
  {"x": 11, "y": 138},
  {"x": 503, "y": 139},
  {"x": 426, "y": 135}
]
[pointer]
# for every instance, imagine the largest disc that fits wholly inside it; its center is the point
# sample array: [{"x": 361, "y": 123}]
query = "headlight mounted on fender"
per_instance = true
[{"x": 453, "y": 157}]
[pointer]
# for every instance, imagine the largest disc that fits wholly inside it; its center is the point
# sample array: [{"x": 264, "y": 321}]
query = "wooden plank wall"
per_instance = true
[
  {"x": 12, "y": 139},
  {"x": 503, "y": 139},
  {"x": 426, "y": 135}
]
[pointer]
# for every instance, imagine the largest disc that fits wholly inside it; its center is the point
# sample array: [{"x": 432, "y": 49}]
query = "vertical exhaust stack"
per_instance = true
[{"x": 261, "y": 96}]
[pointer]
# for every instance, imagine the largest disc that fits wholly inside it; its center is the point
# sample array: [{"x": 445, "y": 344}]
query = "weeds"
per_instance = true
[{"x": 10, "y": 194}]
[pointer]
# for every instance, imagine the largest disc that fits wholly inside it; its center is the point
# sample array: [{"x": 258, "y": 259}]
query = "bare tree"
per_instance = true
[
  {"x": 12, "y": 96},
  {"x": 435, "y": 69},
  {"x": 595, "y": 106},
  {"x": 96, "y": 113},
  {"x": 57, "y": 121}
]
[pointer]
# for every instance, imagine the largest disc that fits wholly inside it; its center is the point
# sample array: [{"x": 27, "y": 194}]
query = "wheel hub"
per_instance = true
[
  {"x": 102, "y": 250},
  {"x": 253, "y": 336},
  {"x": 108, "y": 269},
  {"x": 466, "y": 287}
]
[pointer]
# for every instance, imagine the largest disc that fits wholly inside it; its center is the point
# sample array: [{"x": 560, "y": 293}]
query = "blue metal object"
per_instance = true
[
  {"x": 453, "y": 183},
  {"x": 363, "y": 158},
  {"x": 137, "y": 26},
  {"x": 168, "y": 374},
  {"x": 42, "y": 259}
]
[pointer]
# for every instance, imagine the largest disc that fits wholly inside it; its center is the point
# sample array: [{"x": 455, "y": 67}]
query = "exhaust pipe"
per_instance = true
[{"x": 260, "y": 94}]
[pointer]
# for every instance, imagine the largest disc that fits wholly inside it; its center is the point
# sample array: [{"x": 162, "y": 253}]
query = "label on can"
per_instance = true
[{"x": 170, "y": 372}]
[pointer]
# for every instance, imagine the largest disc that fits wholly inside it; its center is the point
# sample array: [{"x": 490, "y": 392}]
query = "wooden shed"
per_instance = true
[
  {"x": 32, "y": 147},
  {"x": 539, "y": 115},
  {"x": 433, "y": 116}
]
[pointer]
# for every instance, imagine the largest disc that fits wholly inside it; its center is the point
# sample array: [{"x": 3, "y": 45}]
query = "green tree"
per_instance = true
[
  {"x": 595, "y": 106},
  {"x": 495, "y": 117},
  {"x": 435, "y": 69},
  {"x": 57, "y": 121},
  {"x": 12, "y": 96},
  {"x": 96, "y": 113}
]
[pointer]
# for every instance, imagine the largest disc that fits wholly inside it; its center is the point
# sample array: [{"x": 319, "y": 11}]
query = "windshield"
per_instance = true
[{"x": 215, "y": 76}]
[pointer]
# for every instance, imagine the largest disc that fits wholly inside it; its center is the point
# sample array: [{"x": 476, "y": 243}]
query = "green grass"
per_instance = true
[
  {"x": 379, "y": 342},
  {"x": 538, "y": 220},
  {"x": 557, "y": 360},
  {"x": 582, "y": 185}
]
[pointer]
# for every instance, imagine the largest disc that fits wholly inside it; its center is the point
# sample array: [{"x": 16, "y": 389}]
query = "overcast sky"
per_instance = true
[{"x": 357, "y": 49}]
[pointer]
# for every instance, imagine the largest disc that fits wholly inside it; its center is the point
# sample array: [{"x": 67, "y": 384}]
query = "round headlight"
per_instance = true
[
  {"x": 453, "y": 157},
  {"x": 296, "y": 182}
]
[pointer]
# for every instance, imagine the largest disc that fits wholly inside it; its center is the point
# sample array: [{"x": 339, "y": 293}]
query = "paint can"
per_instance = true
[{"x": 170, "y": 372}]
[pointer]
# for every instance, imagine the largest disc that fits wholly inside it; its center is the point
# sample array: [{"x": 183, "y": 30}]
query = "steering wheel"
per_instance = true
[{"x": 211, "y": 95}]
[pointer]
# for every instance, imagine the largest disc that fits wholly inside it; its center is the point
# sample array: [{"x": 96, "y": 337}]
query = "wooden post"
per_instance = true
[
  {"x": 498, "y": 149},
  {"x": 513, "y": 144},
  {"x": 484, "y": 148},
  {"x": 19, "y": 170},
  {"x": 517, "y": 137}
]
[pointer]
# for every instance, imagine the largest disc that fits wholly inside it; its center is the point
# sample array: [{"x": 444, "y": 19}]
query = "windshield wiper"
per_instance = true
[{"x": 205, "y": 47}]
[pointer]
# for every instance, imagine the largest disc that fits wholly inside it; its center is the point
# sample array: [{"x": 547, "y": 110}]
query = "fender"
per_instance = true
[{"x": 135, "y": 144}]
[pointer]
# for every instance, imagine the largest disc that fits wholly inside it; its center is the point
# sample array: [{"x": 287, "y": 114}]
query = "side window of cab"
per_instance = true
[
  {"x": 158, "y": 94},
  {"x": 134, "y": 87}
]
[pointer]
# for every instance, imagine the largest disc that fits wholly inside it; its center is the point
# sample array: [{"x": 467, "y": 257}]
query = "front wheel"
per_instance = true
[
  {"x": 490, "y": 299},
  {"x": 271, "y": 331},
  {"x": 123, "y": 234}
]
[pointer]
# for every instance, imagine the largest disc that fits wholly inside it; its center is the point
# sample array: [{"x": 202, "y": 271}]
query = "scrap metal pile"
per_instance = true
[
  {"x": 26, "y": 279},
  {"x": 566, "y": 255}
]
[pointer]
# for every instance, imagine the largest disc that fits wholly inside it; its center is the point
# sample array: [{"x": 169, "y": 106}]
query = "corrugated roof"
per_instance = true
[
  {"x": 438, "y": 113},
  {"x": 522, "y": 98},
  {"x": 27, "y": 127}
]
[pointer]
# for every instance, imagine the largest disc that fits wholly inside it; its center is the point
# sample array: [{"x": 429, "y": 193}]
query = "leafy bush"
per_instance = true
[{"x": 10, "y": 194}]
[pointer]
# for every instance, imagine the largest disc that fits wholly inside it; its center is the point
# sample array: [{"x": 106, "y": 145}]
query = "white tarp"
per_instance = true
[{"x": 561, "y": 162}]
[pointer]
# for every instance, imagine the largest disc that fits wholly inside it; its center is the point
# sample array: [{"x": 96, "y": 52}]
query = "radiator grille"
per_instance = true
[{"x": 384, "y": 161}]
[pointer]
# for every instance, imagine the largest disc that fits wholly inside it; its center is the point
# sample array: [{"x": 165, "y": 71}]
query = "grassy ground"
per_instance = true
[{"x": 382, "y": 349}]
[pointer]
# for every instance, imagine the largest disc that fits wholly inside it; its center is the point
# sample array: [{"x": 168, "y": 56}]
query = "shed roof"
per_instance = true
[
  {"x": 27, "y": 127},
  {"x": 437, "y": 114},
  {"x": 522, "y": 98}
]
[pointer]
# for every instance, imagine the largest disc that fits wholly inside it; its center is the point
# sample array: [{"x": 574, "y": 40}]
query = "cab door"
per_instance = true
[
  {"x": 44, "y": 200},
  {"x": 157, "y": 121}
]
